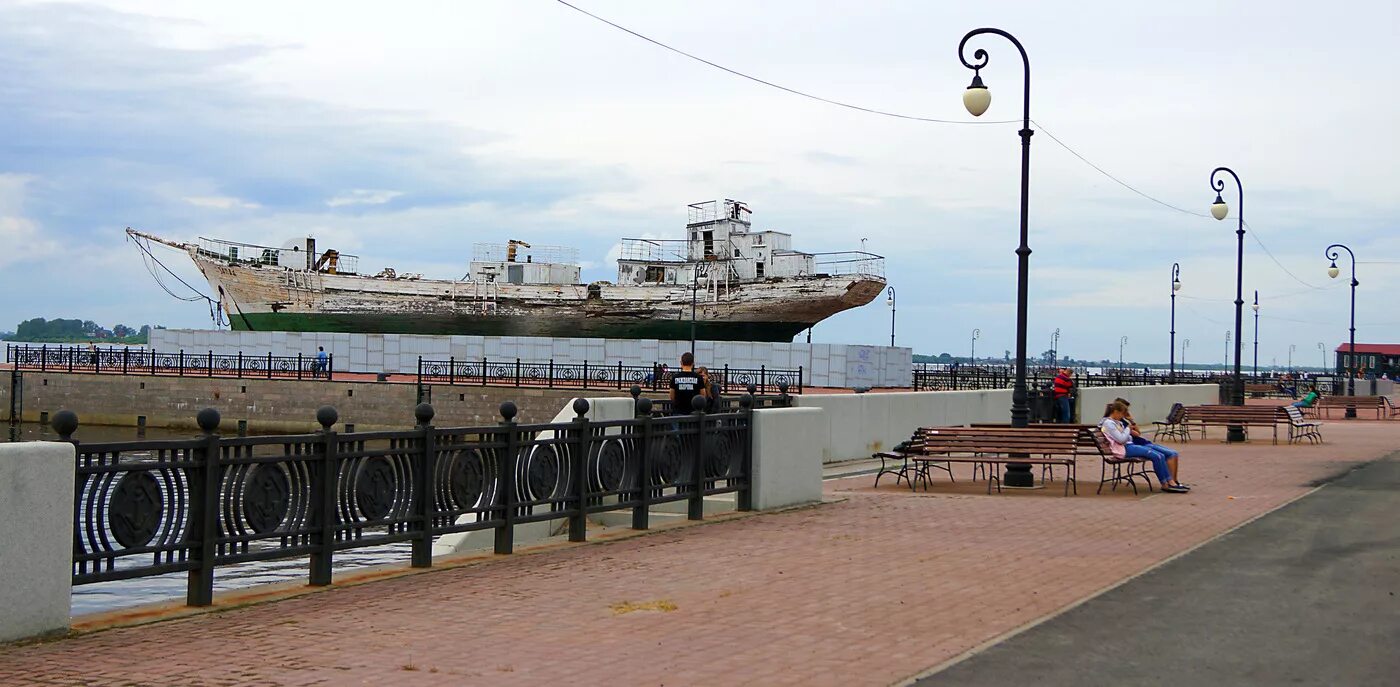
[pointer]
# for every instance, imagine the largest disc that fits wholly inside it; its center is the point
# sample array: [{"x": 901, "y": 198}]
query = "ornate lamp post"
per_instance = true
[
  {"x": 1227, "y": 348},
  {"x": 1332, "y": 271},
  {"x": 976, "y": 99},
  {"x": 1322, "y": 353},
  {"x": 1219, "y": 210},
  {"x": 1055, "y": 348},
  {"x": 975, "y": 333},
  {"x": 1185, "y": 344},
  {"x": 1171, "y": 347},
  {"x": 1256, "y": 334},
  {"x": 890, "y": 302},
  {"x": 1122, "y": 341}
]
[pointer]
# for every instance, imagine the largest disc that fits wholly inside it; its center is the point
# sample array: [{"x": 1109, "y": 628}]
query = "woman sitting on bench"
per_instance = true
[
  {"x": 1120, "y": 439},
  {"x": 1309, "y": 400}
]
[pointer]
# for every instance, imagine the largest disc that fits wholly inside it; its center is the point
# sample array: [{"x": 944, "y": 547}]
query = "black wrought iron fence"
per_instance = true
[
  {"x": 586, "y": 375},
  {"x": 960, "y": 379},
  {"x": 155, "y": 507},
  {"x": 146, "y": 361}
]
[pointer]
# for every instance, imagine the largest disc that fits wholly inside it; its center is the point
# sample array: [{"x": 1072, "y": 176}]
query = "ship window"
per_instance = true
[
  {"x": 656, "y": 274},
  {"x": 736, "y": 252},
  {"x": 758, "y": 266},
  {"x": 709, "y": 243}
]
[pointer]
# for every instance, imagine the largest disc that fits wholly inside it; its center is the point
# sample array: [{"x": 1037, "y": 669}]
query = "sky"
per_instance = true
[{"x": 407, "y": 132}]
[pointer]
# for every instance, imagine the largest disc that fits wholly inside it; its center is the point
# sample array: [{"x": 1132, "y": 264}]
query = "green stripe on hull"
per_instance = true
[{"x": 388, "y": 323}]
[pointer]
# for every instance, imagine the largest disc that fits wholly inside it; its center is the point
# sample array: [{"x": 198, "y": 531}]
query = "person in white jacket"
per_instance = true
[{"x": 1120, "y": 439}]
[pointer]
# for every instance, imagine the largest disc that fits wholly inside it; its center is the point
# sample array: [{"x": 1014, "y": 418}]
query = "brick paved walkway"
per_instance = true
[{"x": 870, "y": 590}]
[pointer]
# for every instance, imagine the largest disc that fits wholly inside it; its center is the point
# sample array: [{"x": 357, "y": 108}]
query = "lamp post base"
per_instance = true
[
  {"x": 1234, "y": 434},
  {"x": 1018, "y": 476}
]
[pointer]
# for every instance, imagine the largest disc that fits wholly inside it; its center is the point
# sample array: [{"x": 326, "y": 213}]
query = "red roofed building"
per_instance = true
[{"x": 1374, "y": 359}]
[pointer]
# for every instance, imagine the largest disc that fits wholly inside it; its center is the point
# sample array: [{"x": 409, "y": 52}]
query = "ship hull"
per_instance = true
[
  {"x": 776, "y": 310},
  {"x": 606, "y": 328}
]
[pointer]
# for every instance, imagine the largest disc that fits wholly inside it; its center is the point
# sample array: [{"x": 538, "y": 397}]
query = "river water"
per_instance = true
[{"x": 106, "y": 596}]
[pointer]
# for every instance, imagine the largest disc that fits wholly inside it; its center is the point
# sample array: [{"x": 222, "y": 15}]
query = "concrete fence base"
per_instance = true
[{"x": 36, "y": 538}]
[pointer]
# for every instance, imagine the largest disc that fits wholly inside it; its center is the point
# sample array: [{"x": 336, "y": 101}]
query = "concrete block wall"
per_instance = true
[
  {"x": 825, "y": 365},
  {"x": 36, "y": 538},
  {"x": 784, "y": 442}
]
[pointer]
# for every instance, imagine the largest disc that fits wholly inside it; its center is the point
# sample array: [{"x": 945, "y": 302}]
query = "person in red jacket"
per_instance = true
[{"x": 1064, "y": 385}]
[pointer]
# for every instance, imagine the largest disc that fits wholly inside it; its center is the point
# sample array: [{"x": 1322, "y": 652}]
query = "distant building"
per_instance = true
[{"x": 1375, "y": 359}]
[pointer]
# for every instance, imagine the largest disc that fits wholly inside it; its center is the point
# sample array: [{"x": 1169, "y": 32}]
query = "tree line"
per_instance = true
[{"x": 74, "y": 331}]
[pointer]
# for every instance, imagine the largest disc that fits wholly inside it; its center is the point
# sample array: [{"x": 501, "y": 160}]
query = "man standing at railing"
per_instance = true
[
  {"x": 685, "y": 384},
  {"x": 1064, "y": 386},
  {"x": 321, "y": 362}
]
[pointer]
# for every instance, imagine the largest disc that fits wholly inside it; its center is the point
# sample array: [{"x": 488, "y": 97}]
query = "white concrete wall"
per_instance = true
[
  {"x": 830, "y": 365},
  {"x": 785, "y": 443},
  {"x": 1150, "y": 403},
  {"x": 36, "y": 538},
  {"x": 858, "y": 425}
]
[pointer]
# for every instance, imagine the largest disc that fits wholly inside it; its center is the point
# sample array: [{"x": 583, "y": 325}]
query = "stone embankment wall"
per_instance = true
[
  {"x": 269, "y": 405},
  {"x": 36, "y": 538}
]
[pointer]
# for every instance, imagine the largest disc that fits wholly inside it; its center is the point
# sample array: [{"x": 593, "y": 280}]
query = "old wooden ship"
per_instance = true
[{"x": 740, "y": 284}]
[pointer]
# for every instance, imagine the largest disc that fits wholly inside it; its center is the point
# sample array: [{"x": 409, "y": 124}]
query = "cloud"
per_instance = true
[
  {"x": 22, "y": 238},
  {"x": 362, "y": 196},
  {"x": 220, "y": 202}
]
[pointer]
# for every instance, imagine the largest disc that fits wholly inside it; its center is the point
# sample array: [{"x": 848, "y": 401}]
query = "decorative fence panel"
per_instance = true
[
  {"x": 145, "y": 361},
  {"x": 549, "y": 374},
  {"x": 155, "y": 507}
]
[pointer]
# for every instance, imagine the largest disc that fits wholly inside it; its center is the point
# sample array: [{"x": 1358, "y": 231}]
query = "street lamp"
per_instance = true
[
  {"x": 1332, "y": 272},
  {"x": 1227, "y": 349},
  {"x": 1055, "y": 348},
  {"x": 890, "y": 302},
  {"x": 1171, "y": 347},
  {"x": 1123, "y": 341},
  {"x": 975, "y": 333},
  {"x": 1291, "y": 348},
  {"x": 977, "y": 98},
  {"x": 1185, "y": 344},
  {"x": 1256, "y": 334},
  {"x": 1219, "y": 210},
  {"x": 696, "y": 281},
  {"x": 1322, "y": 354}
]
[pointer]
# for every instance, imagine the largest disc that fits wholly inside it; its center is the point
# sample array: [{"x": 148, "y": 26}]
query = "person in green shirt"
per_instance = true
[{"x": 1308, "y": 400}]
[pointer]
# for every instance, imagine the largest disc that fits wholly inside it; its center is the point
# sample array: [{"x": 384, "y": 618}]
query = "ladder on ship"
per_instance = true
[{"x": 480, "y": 297}]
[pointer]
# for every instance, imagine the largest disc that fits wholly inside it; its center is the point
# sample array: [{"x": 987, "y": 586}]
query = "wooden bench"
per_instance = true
[
  {"x": 1123, "y": 469},
  {"x": 1376, "y": 403},
  {"x": 994, "y": 446},
  {"x": 1174, "y": 426},
  {"x": 1261, "y": 390},
  {"x": 1242, "y": 416},
  {"x": 1392, "y": 406},
  {"x": 1300, "y": 428}
]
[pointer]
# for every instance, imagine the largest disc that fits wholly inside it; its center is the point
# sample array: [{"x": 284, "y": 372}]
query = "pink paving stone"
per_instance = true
[{"x": 814, "y": 596}]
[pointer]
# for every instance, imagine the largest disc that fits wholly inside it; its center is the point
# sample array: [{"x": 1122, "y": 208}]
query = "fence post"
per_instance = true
[
  {"x": 585, "y": 373},
  {"x": 763, "y": 378},
  {"x": 70, "y": 359},
  {"x": 696, "y": 503},
  {"x": 451, "y": 368},
  {"x": 97, "y": 361},
  {"x": 725, "y": 385},
  {"x": 126, "y": 355},
  {"x": 619, "y": 374},
  {"x": 269, "y": 364},
  {"x": 505, "y": 480},
  {"x": 641, "y": 512},
  {"x": 240, "y": 363},
  {"x": 578, "y": 460},
  {"x": 422, "y": 556},
  {"x": 298, "y": 364},
  {"x": 210, "y": 370},
  {"x": 204, "y": 512},
  {"x": 323, "y": 513},
  {"x": 744, "y": 499},
  {"x": 551, "y": 373},
  {"x": 44, "y": 358},
  {"x": 801, "y": 382},
  {"x": 517, "y": 372},
  {"x": 484, "y": 362},
  {"x": 152, "y": 361},
  {"x": 181, "y": 363}
]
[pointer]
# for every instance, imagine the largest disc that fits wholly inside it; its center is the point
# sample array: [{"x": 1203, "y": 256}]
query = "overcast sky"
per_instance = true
[{"x": 405, "y": 132}]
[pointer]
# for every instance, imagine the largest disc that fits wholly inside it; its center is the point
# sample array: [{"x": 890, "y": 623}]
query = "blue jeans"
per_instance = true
[
  {"x": 1157, "y": 454},
  {"x": 1062, "y": 410}
]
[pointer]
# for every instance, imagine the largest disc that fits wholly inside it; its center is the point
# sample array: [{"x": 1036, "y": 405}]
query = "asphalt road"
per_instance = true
[{"x": 1306, "y": 595}]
